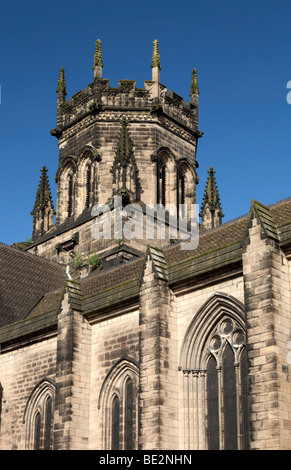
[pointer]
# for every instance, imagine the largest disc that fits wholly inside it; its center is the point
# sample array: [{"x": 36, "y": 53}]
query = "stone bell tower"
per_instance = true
[{"x": 139, "y": 143}]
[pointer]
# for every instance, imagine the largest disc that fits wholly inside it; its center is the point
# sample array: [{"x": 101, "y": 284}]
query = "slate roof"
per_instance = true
[
  {"x": 24, "y": 280},
  {"x": 31, "y": 286}
]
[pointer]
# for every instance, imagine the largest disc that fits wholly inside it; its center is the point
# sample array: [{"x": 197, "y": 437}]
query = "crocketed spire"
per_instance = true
[
  {"x": 43, "y": 210},
  {"x": 211, "y": 210},
  {"x": 62, "y": 82},
  {"x": 43, "y": 195}
]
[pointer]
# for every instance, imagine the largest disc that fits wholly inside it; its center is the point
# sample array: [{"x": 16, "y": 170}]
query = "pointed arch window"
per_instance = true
[
  {"x": 118, "y": 401},
  {"x": 38, "y": 417},
  {"x": 214, "y": 361}
]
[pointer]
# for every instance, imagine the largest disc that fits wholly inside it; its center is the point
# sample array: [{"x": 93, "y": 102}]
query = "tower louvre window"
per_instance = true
[
  {"x": 181, "y": 190},
  {"x": 161, "y": 182},
  {"x": 88, "y": 186},
  {"x": 70, "y": 195}
]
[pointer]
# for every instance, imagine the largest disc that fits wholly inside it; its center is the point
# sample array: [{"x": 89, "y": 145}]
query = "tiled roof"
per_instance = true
[
  {"x": 24, "y": 279},
  {"x": 114, "y": 276},
  {"x": 208, "y": 241},
  {"x": 227, "y": 234},
  {"x": 281, "y": 212},
  {"x": 32, "y": 285}
]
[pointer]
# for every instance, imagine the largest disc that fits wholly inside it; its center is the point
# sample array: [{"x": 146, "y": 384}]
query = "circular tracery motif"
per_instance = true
[
  {"x": 226, "y": 327},
  {"x": 238, "y": 338},
  {"x": 228, "y": 331},
  {"x": 215, "y": 343}
]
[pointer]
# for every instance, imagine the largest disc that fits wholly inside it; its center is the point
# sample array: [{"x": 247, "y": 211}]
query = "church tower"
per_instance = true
[{"x": 137, "y": 143}]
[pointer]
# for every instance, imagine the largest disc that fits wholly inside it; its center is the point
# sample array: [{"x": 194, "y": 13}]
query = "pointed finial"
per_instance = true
[
  {"x": 194, "y": 83},
  {"x": 156, "y": 62},
  {"x": 98, "y": 62},
  {"x": 62, "y": 82},
  {"x": 211, "y": 210}
]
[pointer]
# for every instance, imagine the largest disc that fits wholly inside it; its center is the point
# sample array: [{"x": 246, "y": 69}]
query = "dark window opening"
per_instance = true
[
  {"x": 129, "y": 415},
  {"x": 115, "y": 423},
  {"x": 48, "y": 422},
  {"x": 70, "y": 196},
  {"x": 212, "y": 405},
  {"x": 229, "y": 400},
  {"x": 1, "y": 398},
  {"x": 37, "y": 425},
  {"x": 244, "y": 382}
]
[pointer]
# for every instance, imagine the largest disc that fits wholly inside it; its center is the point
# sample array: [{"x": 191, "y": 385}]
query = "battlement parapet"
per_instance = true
[{"x": 99, "y": 96}]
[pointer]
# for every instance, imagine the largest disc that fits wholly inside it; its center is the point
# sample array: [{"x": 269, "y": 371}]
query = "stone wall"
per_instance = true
[
  {"x": 21, "y": 370},
  {"x": 267, "y": 300}
]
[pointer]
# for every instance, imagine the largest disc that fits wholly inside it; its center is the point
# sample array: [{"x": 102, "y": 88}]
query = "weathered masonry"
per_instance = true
[{"x": 139, "y": 344}]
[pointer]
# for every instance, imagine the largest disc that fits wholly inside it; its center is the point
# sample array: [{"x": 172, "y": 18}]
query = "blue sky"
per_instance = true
[{"x": 241, "y": 50}]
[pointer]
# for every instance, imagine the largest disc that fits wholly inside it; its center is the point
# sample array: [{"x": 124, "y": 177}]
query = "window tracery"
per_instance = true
[
  {"x": 214, "y": 364},
  {"x": 118, "y": 402},
  {"x": 38, "y": 417}
]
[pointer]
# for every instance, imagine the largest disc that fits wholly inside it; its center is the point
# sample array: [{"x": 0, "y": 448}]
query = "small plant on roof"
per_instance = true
[
  {"x": 77, "y": 261},
  {"x": 93, "y": 261}
]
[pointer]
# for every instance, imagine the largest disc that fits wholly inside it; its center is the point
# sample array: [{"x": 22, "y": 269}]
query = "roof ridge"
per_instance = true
[{"x": 281, "y": 201}]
